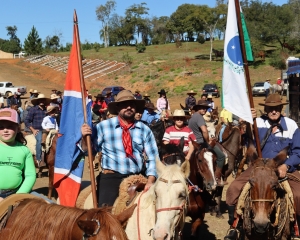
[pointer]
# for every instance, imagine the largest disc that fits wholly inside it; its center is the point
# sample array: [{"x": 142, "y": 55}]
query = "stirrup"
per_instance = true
[{"x": 232, "y": 234}]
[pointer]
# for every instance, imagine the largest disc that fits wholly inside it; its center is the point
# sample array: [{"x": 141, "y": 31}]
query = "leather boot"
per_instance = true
[
  {"x": 218, "y": 176},
  {"x": 232, "y": 233}
]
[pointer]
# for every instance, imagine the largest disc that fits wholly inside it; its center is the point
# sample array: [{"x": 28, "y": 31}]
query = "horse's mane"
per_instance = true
[
  {"x": 35, "y": 218},
  {"x": 232, "y": 131}
]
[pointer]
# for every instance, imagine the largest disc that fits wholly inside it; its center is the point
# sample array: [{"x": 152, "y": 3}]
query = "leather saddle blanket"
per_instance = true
[
  {"x": 128, "y": 191},
  {"x": 49, "y": 140}
]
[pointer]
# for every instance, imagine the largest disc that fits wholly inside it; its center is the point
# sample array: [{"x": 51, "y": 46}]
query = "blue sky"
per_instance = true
[{"x": 54, "y": 16}]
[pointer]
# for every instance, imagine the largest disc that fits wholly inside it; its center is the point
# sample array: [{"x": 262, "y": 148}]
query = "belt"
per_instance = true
[
  {"x": 106, "y": 171},
  {"x": 3, "y": 191}
]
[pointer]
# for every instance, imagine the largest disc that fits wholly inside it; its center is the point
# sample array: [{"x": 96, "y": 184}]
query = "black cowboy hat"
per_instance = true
[
  {"x": 162, "y": 91},
  {"x": 201, "y": 103},
  {"x": 123, "y": 96},
  {"x": 99, "y": 96}
]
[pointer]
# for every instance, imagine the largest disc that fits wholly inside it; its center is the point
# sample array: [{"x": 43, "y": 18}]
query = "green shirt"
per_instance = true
[{"x": 17, "y": 168}]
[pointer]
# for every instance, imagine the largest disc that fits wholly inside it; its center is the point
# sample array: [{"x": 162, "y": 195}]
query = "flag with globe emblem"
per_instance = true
[{"x": 234, "y": 97}]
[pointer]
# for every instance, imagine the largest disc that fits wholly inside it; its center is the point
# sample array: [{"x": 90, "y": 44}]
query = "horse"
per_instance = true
[
  {"x": 158, "y": 129},
  {"x": 264, "y": 201},
  {"x": 218, "y": 53},
  {"x": 275, "y": 88},
  {"x": 161, "y": 210},
  {"x": 57, "y": 222}
]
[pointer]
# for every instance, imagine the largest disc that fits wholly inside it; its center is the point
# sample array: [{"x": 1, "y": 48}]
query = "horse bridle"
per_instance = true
[{"x": 169, "y": 155}]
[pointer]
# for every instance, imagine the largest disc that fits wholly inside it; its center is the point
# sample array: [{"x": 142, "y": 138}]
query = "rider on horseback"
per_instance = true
[{"x": 275, "y": 133}]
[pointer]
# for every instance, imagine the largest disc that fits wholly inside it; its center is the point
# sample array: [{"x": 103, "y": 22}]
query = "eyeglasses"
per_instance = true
[
  {"x": 179, "y": 118},
  {"x": 274, "y": 108}
]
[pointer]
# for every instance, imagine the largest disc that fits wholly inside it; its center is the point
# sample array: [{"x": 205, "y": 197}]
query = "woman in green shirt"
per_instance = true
[{"x": 17, "y": 170}]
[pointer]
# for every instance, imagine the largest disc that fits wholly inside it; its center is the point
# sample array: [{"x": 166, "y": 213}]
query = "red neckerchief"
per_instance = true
[{"x": 126, "y": 138}]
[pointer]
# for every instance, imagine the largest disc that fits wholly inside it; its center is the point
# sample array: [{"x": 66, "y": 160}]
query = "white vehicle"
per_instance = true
[
  {"x": 7, "y": 88},
  {"x": 258, "y": 89},
  {"x": 22, "y": 54}
]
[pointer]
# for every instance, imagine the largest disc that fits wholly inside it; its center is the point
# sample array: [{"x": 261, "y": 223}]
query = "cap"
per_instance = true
[{"x": 9, "y": 114}]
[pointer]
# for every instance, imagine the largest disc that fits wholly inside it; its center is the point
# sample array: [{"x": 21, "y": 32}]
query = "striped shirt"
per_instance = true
[
  {"x": 173, "y": 136},
  {"x": 279, "y": 140},
  {"x": 109, "y": 142}
]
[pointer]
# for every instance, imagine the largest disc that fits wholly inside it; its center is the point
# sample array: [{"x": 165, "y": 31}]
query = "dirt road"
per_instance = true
[{"x": 44, "y": 79}]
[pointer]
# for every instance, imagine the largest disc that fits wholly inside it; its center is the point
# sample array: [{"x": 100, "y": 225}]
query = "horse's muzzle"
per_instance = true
[{"x": 261, "y": 228}]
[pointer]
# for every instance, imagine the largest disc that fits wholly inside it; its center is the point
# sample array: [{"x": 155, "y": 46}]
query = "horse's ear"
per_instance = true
[
  {"x": 125, "y": 215},
  {"x": 251, "y": 152},
  {"x": 160, "y": 166},
  {"x": 185, "y": 168},
  {"x": 181, "y": 143},
  {"x": 281, "y": 156},
  {"x": 87, "y": 226}
]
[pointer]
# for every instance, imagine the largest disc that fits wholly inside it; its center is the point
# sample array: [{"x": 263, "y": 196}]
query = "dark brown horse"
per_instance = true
[
  {"x": 218, "y": 53},
  {"x": 36, "y": 219},
  {"x": 265, "y": 214}
]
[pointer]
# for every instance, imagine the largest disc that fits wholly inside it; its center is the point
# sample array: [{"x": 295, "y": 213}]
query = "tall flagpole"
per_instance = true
[
  {"x": 243, "y": 49},
  {"x": 83, "y": 93}
]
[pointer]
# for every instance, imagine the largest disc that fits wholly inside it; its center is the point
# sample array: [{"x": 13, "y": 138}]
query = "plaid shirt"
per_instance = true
[
  {"x": 35, "y": 118},
  {"x": 109, "y": 142}
]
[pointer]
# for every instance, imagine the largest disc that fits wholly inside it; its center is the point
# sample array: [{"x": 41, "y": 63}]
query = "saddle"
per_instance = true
[
  {"x": 128, "y": 191},
  {"x": 49, "y": 140},
  {"x": 7, "y": 205}
]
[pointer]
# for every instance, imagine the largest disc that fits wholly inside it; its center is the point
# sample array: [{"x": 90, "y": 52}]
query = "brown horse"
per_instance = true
[
  {"x": 218, "y": 53},
  {"x": 264, "y": 204},
  {"x": 36, "y": 219}
]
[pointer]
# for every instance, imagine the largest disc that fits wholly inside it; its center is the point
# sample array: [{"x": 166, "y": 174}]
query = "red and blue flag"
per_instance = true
[{"x": 69, "y": 159}]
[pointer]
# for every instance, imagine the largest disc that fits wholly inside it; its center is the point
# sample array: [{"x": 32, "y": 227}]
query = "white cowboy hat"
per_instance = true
[
  {"x": 123, "y": 96},
  {"x": 179, "y": 113},
  {"x": 35, "y": 91},
  {"x": 54, "y": 96},
  {"x": 41, "y": 97}
]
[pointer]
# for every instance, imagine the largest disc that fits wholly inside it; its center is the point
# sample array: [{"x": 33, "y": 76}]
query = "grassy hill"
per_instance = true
[{"x": 166, "y": 66}]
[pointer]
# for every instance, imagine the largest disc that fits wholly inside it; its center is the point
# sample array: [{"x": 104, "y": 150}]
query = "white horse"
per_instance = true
[
  {"x": 275, "y": 88},
  {"x": 160, "y": 212}
]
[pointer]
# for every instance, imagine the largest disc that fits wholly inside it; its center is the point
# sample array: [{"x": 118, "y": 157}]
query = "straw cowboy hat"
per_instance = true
[
  {"x": 201, "y": 103},
  {"x": 9, "y": 95},
  {"x": 179, "y": 113},
  {"x": 124, "y": 96},
  {"x": 209, "y": 96},
  {"x": 54, "y": 96},
  {"x": 150, "y": 105},
  {"x": 30, "y": 90},
  {"x": 273, "y": 100},
  {"x": 35, "y": 91},
  {"x": 51, "y": 109},
  {"x": 191, "y": 92},
  {"x": 146, "y": 95},
  {"x": 207, "y": 117},
  {"x": 162, "y": 91},
  {"x": 41, "y": 97}
]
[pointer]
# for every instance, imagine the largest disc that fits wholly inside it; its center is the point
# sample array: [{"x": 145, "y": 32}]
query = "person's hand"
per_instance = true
[
  {"x": 35, "y": 132},
  {"x": 282, "y": 170},
  {"x": 86, "y": 130},
  {"x": 150, "y": 182},
  {"x": 253, "y": 112}
]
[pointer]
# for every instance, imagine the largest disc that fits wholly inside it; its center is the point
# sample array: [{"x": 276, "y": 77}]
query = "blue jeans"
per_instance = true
[
  {"x": 221, "y": 132},
  {"x": 38, "y": 147}
]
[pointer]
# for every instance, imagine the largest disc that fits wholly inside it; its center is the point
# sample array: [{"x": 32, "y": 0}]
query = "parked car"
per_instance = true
[
  {"x": 258, "y": 89},
  {"x": 7, "y": 87},
  {"x": 212, "y": 89},
  {"x": 22, "y": 53},
  {"x": 114, "y": 89}
]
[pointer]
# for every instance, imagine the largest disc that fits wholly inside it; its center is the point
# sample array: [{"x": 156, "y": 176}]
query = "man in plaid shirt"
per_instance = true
[
  {"x": 33, "y": 121},
  {"x": 123, "y": 142}
]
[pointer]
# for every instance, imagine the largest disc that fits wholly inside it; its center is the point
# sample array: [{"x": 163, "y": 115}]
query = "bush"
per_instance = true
[
  {"x": 200, "y": 39},
  {"x": 126, "y": 58},
  {"x": 277, "y": 61},
  {"x": 140, "y": 48},
  {"x": 97, "y": 47}
]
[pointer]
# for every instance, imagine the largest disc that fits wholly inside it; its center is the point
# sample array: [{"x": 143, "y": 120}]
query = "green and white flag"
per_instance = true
[{"x": 234, "y": 97}]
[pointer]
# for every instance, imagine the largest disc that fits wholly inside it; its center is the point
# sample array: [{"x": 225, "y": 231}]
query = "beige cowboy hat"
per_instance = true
[
  {"x": 30, "y": 90},
  {"x": 191, "y": 92},
  {"x": 51, "y": 108},
  {"x": 146, "y": 95},
  {"x": 54, "y": 96},
  {"x": 273, "y": 100},
  {"x": 179, "y": 113},
  {"x": 209, "y": 96},
  {"x": 9, "y": 95},
  {"x": 207, "y": 117},
  {"x": 202, "y": 103},
  {"x": 41, "y": 97},
  {"x": 123, "y": 96},
  {"x": 35, "y": 91}
]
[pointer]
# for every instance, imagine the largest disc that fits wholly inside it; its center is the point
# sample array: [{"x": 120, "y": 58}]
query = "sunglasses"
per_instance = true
[{"x": 179, "y": 118}]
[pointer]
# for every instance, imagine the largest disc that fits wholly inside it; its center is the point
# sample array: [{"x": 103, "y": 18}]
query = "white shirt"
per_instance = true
[{"x": 47, "y": 124}]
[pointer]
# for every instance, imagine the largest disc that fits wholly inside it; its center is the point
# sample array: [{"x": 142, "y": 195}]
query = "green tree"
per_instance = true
[
  {"x": 159, "y": 32},
  {"x": 13, "y": 44},
  {"x": 33, "y": 43},
  {"x": 52, "y": 43},
  {"x": 103, "y": 13},
  {"x": 121, "y": 31}
]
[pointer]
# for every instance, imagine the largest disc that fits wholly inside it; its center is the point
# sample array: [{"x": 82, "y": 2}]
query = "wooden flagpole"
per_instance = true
[
  {"x": 241, "y": 36},
  {"x": 83, "y": 93}
]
